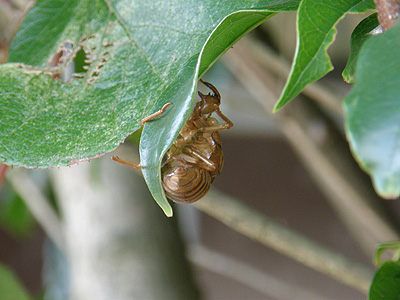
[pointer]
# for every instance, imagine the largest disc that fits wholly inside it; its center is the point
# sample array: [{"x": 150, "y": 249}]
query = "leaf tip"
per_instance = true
[
  {"x": 276, "y": 108},
  {"x": 168, "y": 211},
  {"x": 280, "y": 103}
]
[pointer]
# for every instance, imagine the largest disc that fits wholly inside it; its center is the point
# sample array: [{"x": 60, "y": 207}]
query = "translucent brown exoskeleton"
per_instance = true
[{"x": 195, "y": 158}]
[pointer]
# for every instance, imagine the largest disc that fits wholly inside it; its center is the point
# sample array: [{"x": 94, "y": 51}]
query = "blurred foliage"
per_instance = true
[
  {"x": 14, "y": 215},
  {"x": 10, "y": 287}
]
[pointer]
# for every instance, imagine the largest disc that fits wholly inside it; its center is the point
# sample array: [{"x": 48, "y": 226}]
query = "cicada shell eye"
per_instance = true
[
  {"x": 212, "y": 122},
  {"x": 184, "y": 183}
]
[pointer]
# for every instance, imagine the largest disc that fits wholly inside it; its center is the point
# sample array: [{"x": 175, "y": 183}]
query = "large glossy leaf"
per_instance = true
[
  {"x": 373, "y": 111},
  {"x": 386, "y": 283},
  {"x": 316, "y": 22},
  {"x": 139, "y": 55}
]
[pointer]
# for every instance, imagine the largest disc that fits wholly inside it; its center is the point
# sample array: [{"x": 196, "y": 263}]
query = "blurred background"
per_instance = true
[{"x": 294, "y": 167}]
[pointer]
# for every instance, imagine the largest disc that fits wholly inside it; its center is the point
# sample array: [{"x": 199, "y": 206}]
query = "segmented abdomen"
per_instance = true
[{"x": 184, "y": 183}]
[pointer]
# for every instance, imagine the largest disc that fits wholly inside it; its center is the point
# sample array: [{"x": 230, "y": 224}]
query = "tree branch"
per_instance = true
[
  {"x": 38, "y": 205},
  {"x": 253, "y": 224},
  {"x": 243, "y": 273}
]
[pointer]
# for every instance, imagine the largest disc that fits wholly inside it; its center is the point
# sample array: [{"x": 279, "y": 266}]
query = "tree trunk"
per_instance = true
[{"x": 119, "y": 243}]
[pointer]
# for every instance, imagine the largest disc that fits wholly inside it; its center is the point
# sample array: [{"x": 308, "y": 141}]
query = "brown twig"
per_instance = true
[
  {"x": 251, "y": 276},
  {"x": 255, "y": 225},
  {"x": 3, "y": 170},
  {"x": 388, "y": 12}
]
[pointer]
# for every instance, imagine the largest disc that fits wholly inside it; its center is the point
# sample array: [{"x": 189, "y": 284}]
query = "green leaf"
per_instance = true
[
  {"x": 360, "y": 34},
  {"x": 381, "y": 248},
  {"x": 373, "y": 111},
  {"x": 14, "y": 215},
  {"x": 45, "y": 27},
  {"x": 140, "y": 55},
  {"x": 386, "y": 282},
  {"x": 316, "y": 31},
  {"x": 10, "y": 287}
]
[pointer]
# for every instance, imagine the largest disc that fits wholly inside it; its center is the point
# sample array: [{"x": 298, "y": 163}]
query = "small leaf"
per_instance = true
[
  {"x": 360, "y": 34},
  {"x": 373, "y": 111},
  {"x": 158, "y": 135},
  {"x": 386, "y": 282},
  {"x": 316, "y": 31},
  {"x": 381, "y": 248},
  {"x": 10, "y": 287}
]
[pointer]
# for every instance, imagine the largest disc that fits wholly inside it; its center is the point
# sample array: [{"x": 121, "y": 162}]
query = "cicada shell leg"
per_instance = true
[
  {"x": 218, "y": 127},
  {"x": 228, "y": 124},
  {"x": 143, "y": 121},
  {"x": 156, "y": 114},
  {"x": 127, "y": 163},
  {"x": 204, "y": 163}
]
